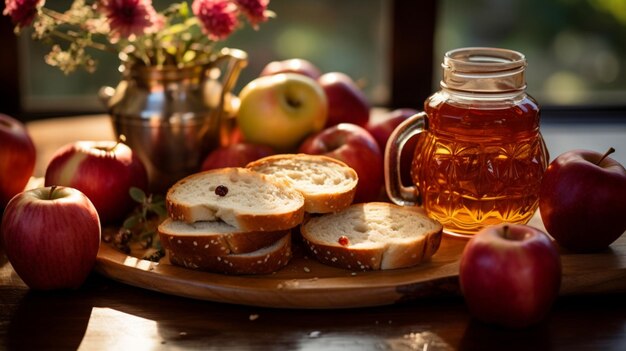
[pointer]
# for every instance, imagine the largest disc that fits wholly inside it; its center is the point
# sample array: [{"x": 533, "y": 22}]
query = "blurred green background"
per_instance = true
[{"x": 576, "y": 49}]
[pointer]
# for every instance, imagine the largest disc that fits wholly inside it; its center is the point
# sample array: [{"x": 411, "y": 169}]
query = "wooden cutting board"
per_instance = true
[{"x": 306, "y": 283}]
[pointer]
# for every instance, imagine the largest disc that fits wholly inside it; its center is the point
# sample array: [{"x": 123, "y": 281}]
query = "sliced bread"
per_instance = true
[
  {"x": 372, "y": 236},
  {"x": 263, "y": 261},
  {"x": 247, "y": 200},
  {"x": 328, "y": 185},
  {"x": 214, "y": 238}
]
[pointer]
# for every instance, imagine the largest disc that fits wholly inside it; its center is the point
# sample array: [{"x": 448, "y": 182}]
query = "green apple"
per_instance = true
[{"x": 281, "y": 110}]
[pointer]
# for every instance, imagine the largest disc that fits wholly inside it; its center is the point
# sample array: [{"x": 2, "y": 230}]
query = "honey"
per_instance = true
[{"x": 478, "y": 167}]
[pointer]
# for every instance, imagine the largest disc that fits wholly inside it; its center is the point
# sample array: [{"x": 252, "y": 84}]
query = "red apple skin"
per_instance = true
[
  {"x": 510, "y": 280},
  {"x": 17, "y": 158},
  {"x": 294, "y": 65},
  {"x": 381, "y": 130},
  {"x": 583, "y": 205},
  {"x": 102, "y": 171},
  {"x": 52, "y": 243},
  {"x": 346, "y": 101},
  {"x": 358, "y": 149},
  {"x": 235, "y": 155}
]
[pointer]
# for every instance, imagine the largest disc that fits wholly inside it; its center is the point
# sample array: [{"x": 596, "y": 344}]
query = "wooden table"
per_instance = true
[{"x": 104, "y": 314}]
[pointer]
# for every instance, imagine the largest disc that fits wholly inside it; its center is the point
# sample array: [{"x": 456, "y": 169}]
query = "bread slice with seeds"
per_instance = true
[
  {"x": 372, "y": 236},
  {"x": 214, "y": 238},
  {"x": 247, "y": 200},
  {"x": 328, "y": 185},
  {"x": 263, "y": 261}
]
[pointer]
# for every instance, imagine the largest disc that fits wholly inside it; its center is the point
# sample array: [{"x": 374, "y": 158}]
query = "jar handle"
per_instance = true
[
  {"x": 397, "y": 192},
  {"x": 237, "y": 60}
]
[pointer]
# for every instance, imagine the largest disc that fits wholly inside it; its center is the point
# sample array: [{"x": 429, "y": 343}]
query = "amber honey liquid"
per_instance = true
[{"x": 477, "y": 167}]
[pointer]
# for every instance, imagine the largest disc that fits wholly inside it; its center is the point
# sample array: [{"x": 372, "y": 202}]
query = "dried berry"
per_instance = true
[
  {"x": 221, "y": 190},
  {"x": 343, "y": 240}
]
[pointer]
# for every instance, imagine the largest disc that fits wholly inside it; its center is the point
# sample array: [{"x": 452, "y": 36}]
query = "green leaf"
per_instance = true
[
  {"x": 189, "y": 56},
  {"x": 131, "y": 221},
  {"x": 158, "y": 199},
  {"x": 159, "y": 210},
  {"x": 137, "y": 194},
  {"x": 183, "y": 10}
]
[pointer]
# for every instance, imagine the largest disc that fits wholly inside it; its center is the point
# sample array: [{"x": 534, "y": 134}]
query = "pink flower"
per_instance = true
[
  {"x": 255, "y": 10},
  {"x": 128, "y": 17},
  {"x": 22, "y": 12},
  {"x": 218, "y": 17}
]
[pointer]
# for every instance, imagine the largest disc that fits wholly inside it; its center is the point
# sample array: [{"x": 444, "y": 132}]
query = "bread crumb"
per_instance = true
[
  {"x": 253, "y": 317},
  {"x": 314, "y": 334},
  {"x": 306, "y": 269},
  {"x": 182, "y": 333}
]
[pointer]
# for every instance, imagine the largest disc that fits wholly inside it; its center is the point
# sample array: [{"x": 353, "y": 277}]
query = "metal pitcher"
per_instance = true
[{"x": 173, "y": 117}]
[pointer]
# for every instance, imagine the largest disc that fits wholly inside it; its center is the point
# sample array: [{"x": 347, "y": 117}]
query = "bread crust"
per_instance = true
[
  {"x": 263, "y": 261},
  {"x": 378, "y": 256},
  {"x": 215, "y": 244},
  {"x": 325, "y": 202}
]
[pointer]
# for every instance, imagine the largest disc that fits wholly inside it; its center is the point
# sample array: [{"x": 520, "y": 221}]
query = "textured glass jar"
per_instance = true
[{"x": 480, "y": 155}]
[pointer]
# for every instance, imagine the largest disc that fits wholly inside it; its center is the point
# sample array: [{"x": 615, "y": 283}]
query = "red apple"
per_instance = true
[
  {"x": 235, "y": 155},
  {"x": 510, "y": 275},
  {"x": 358, "y": 149},
  {"x": 346, "y": 101},
  {"x": 382, "y": 128},
  {"x": 51, "y": 236},
  {"x": 295, "y": 65},
  {"x": 582, "y": 200},
  {"x": 17, "y": 158},
  {"x": 104, "y": 171}
]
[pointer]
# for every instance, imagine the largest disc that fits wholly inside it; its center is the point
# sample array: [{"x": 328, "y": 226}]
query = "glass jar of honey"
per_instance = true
[{"x": 480, "y": 155}]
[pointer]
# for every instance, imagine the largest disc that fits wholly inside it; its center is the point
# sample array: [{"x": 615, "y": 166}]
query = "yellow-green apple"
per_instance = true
[
  {"x": 381, "y": 128},
  {"x": 51, "y": 236},
  {"x": 281, "y": 110},
  {"x": 510, "y": 275},
  {"x": 235, "y": 155},
  {"x": 346, "y": 101},
  {"x": 582, "y": 200},
  {"x": 17, "y": 158},
  {"x": 103, "y": 170},
  {"x": 358, "y": 149},
  {"x": 295, "y": 65}
]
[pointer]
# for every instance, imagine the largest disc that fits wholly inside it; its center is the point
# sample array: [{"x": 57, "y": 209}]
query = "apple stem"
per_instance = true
[
  {"x": 607, "y": 153},
  {"x": 506, "y": 230},
  {"x": 120, "y": 140},
  {"x": 52, "y": 189}
]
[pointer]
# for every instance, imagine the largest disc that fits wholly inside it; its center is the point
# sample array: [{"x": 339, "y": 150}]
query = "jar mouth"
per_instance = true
[
  {"x": 484, "y": 70},
  {"x": 483, "y": 59}
]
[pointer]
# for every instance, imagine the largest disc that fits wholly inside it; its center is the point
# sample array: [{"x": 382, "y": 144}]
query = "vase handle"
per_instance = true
[
  {"x": 236, "y": 61},
  {"x": 105, "y": 94}
]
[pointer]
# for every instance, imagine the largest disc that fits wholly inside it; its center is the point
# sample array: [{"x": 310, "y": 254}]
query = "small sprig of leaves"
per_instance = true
[{"x": 140, "y": 227}]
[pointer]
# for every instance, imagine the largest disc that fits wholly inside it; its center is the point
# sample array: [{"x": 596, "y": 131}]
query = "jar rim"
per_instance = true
[{"x": 483, "y": 59}]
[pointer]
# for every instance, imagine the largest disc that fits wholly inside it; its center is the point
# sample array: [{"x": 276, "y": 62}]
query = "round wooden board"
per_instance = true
[{"x": 304, "y": 283}]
